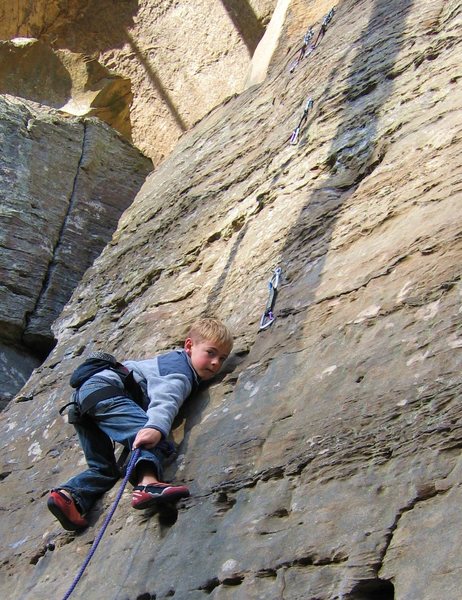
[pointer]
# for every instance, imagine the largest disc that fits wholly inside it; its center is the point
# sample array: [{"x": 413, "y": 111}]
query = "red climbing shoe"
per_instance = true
[
  {"x": 145, "y": 496},
  {"x": 65, "y": 510}
]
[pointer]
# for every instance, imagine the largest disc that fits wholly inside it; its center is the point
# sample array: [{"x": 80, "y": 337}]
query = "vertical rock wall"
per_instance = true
[
  {"x": 325, "y": 463},
  {"x": 71, "y": 82},
  {"x": 64, "y": 184},
  {"x": 183, "y": 58}
]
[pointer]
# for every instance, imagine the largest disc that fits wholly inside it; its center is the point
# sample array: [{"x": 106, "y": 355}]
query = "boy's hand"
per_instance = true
[{"x": 147, "y": 438}]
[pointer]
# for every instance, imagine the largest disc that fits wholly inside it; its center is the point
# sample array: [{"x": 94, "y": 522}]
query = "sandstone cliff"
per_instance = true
[
  {"x": 325, "y": 463},
  {"x": 69, "y": 81},
  {"x": 182, "y": 58},
  {"x": 64, "y": 184}
]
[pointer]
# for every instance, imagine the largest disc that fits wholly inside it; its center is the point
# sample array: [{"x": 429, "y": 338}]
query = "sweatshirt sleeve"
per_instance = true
[
  {"x": 166, "y": 395},
  {"x": 167, "y": 381}
]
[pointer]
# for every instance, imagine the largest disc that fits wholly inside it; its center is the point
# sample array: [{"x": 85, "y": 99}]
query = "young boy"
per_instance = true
[{"x": 166, "y": 380}]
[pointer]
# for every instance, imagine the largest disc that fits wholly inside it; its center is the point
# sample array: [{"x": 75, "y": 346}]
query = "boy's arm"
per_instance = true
[{"x": 166, "y": 395}]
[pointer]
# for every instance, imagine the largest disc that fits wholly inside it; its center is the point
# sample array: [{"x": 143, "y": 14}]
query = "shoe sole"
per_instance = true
[
  {"x": 65, "y": 522},
  {"x": 160, "y": 500}
]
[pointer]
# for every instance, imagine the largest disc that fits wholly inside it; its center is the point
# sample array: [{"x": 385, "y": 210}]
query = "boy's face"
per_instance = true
[{"x": 207, "y": 357}]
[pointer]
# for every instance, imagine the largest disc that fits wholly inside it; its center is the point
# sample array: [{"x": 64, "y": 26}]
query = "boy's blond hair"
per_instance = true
[{"x": 213, "y": 330}]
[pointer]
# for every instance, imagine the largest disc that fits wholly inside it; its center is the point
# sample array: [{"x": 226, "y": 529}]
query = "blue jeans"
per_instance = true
[{"x": 118, "y": 419}]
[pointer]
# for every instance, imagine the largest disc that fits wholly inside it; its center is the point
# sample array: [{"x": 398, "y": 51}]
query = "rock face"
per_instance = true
[
  {"x": 71, "y": 82},
  {"x": 182, "y": 58},
  {"x": 325, "y": 463},
  {"x": 29, "y": 69},
  {"x": 64, "y": 183}
]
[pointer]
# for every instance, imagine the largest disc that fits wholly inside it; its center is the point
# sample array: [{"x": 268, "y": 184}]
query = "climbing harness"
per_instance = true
[
  {"x": 273, "y": 284},
  {"x": 296, "y": 132},
  {"x": 308, "y": 46},
  {"x": 130, "y": 467},
  {"x": 95, "y": 363}
]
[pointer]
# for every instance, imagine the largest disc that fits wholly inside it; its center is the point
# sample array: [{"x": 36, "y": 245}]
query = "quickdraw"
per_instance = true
[
  {"x": 325, "y": 22},
  {"x": 296, "y": 132},
  {"x": 273, "y": 284},
  {"x": 302, "y": 52},
  {"x": 308, "y": 47}
]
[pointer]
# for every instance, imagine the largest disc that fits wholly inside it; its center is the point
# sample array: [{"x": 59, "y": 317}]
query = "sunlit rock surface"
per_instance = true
[
  {"x": 182, "y": 58},
  {"x": 325, "y": 463},
  {"x": 71, "y": 82}
]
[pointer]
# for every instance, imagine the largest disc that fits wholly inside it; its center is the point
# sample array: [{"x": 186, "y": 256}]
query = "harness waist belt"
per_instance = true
[{"x": 104, "y": 393}]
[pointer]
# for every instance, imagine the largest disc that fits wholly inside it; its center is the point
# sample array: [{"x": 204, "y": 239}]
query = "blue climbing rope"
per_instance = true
[{"x": 130, "y": 467}]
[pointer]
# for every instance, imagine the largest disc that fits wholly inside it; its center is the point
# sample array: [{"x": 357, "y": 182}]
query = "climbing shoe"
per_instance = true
[
  {"x": 65, "y": 510},
  {"x": 145, "y": 496}
]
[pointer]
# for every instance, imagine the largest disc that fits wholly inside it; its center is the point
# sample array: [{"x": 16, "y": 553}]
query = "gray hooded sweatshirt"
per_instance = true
[{"x": 166, "y": 380}]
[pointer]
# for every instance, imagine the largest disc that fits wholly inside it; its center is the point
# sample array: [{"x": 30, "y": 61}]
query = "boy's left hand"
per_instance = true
[{"x": 147, "y": 438}]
